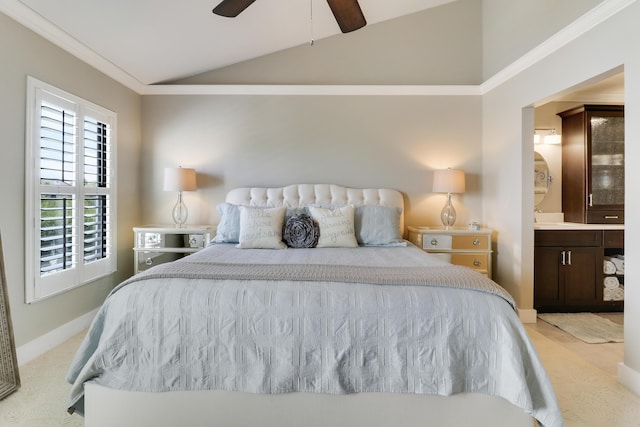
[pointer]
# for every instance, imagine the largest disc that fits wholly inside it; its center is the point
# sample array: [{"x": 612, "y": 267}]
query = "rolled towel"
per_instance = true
[
  {"x": 608, "y": 294},
  {"x": 618, "y": 294},
  {"x": 618, "y": 261},
  {"x": 301, "y": 231},
  {"x": 609, "y": 267},
  {"x": 611, "y": 282}
]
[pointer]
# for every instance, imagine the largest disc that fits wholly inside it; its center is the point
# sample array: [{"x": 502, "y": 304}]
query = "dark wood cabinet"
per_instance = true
[
  {"x": 593, "y": 164},
  {"x": 568, "y": 270}
]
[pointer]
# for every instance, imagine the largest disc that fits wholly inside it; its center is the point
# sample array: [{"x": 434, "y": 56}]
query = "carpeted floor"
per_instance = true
[
  {"x": 587, "y": 395},
  {"x": 41, "y": 400}
]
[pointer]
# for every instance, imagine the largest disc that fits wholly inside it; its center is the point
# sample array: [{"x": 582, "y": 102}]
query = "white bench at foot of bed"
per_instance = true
[{"x": 107, "y": 408}]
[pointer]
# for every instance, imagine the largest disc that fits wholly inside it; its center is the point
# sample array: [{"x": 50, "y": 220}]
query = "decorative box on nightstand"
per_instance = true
[
  {"x": 157, "y": 244},
  {"x": 460, "y": 246}
]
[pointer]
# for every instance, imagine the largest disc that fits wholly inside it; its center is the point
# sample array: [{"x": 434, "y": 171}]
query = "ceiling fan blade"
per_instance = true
[
  {"x": 231, "y": 8},
  {"x": 348, "y": 14}
]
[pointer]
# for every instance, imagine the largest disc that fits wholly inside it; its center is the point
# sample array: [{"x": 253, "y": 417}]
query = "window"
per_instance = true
[{"x": 70, "y": 200}]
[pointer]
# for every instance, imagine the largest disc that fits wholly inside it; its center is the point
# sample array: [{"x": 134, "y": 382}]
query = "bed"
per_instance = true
[{"x": 344, "y": 324}]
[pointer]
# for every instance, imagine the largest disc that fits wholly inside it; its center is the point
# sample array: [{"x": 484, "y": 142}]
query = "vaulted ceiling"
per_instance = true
[{"x": 161, "y": 40}]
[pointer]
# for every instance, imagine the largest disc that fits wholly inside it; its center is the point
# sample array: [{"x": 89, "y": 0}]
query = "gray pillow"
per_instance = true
[{"x": 301, "y": 231}]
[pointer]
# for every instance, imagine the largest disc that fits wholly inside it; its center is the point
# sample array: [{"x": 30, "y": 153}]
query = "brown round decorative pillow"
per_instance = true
[{"x": 301, "y": 231}]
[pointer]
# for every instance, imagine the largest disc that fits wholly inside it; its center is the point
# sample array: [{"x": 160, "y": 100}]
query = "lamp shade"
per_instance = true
[
  {"x": 179, "y": 179},
  {"x": 448, "y": 181}
]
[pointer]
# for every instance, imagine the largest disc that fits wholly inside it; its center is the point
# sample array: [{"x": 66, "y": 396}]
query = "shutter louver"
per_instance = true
[
  {"x": 96, "y": 178},
  {"x": 57, "y": 148},
  {"x": 56, "y": 233}
]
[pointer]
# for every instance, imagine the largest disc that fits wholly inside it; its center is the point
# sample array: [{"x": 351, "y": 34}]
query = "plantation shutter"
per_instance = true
[
  {"x": 57, "y": 180},
  {"x": 70, "y": 176}
]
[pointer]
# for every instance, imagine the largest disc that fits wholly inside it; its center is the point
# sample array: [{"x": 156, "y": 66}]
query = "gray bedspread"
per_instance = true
[{"x": 255, "y": 321}]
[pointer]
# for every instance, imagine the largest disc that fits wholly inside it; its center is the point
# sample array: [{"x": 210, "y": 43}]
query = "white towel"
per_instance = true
[
  {"x": 618, "y": 294},
  {"x": 618, "y": 260},
  {"x": 608, "y": 294},
  {"x": 618, "y": 263},
  {"x": 611, "y": 282},
  {"x": 609, "y": 267}
]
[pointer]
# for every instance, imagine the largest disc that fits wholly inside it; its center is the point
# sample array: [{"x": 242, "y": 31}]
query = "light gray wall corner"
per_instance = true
[{"x": 512, "y": 28}]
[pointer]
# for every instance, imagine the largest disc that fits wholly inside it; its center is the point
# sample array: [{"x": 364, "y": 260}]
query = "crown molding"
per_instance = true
[
  {"x": 30, "y": 19},
  {"x": 314, "y": 90},
  {"x": 41, "y": 26}
]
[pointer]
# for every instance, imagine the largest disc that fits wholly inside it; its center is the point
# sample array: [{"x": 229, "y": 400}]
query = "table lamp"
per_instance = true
[{"x": 448, "y": 181}]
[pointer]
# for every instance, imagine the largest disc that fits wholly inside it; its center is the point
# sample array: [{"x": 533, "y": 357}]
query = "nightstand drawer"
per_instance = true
[
  {"x": 479, "y": 242},
  {"x": 148, "y": 259},
  {"x": 455, "y": 242},
  {"x": 157, "y": 244},
  {"x": 478, "y": 262},
  {"x": 461, "y": 246},
  {"x": 437, "y": 241}
]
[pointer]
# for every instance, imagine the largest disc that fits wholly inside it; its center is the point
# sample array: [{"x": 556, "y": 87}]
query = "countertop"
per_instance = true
[{"x": 575, "y": 226}]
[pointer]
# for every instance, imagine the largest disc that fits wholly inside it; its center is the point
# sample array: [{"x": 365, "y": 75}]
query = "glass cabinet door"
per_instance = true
[{"x": 606, "y": 188}]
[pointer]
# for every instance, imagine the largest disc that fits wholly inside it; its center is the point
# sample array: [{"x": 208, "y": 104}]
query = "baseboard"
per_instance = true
[
  {"x": 628, "y": 377},
  {"x": 528, "y": 315},
  {"x": 29, "y": 351}
]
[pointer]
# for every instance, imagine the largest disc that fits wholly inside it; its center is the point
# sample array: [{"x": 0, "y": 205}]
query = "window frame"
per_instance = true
[{"x": 40, "y": 286}]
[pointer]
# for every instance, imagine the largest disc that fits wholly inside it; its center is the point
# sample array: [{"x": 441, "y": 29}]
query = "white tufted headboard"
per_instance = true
[{"x": 298, "y": 195}]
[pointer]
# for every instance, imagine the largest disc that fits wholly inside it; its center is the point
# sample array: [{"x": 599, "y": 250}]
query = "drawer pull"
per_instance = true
[
  {"x": 476, "y": 263},
  {"x": 611, "y": 217},
  {"x": 476, "y": 241},
  {"x": 434, "y": 242},
  {"x": 148, "y": 261}
]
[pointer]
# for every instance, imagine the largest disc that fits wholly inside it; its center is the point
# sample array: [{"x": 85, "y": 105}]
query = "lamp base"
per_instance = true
[
  {"x": 448, "y": 214},
  {"x": 180, "y": 212}
]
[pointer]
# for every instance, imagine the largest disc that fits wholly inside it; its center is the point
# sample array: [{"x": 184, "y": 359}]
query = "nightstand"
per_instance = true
[
  {"x": 157, "y": 244},
  {"x": 460, "y": 246}
]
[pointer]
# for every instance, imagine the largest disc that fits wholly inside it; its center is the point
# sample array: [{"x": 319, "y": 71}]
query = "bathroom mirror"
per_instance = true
[
  {"x": 541, "y": 178},
  {"x": 9, "y": 377}
]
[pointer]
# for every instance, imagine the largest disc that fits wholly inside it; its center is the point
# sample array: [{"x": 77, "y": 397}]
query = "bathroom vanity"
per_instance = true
[{"x": 572, "y": 268}]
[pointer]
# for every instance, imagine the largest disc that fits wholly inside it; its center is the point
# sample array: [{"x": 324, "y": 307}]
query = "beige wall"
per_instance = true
[
  {"x": 24, "y": 53},
  {"x": 359, "y": 141}
]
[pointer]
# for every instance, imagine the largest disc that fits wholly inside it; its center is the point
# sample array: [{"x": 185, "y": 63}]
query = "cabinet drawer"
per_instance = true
[
  {"x": 148, "y": 259},
  {"x": 155, "y": 240},
  {"x": 568, "y": 237},
  {"x": 478, "y": 262},
  {"x": 595, "y": 216},
  {"x": 613, "y": 238},
  {"x": 437, "y": 241},
  {"x": 471, "y": 242},
  {"x": 455, "y": 242}
]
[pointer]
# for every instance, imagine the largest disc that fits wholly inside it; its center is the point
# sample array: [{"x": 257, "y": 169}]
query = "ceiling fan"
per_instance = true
[{"x": 347, "y": 12}]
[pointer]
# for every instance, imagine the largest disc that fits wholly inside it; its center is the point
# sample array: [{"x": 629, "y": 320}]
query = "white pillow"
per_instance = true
[
  {"x": 261, "y": 228},
  {"x": 336, "y": 227}
]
